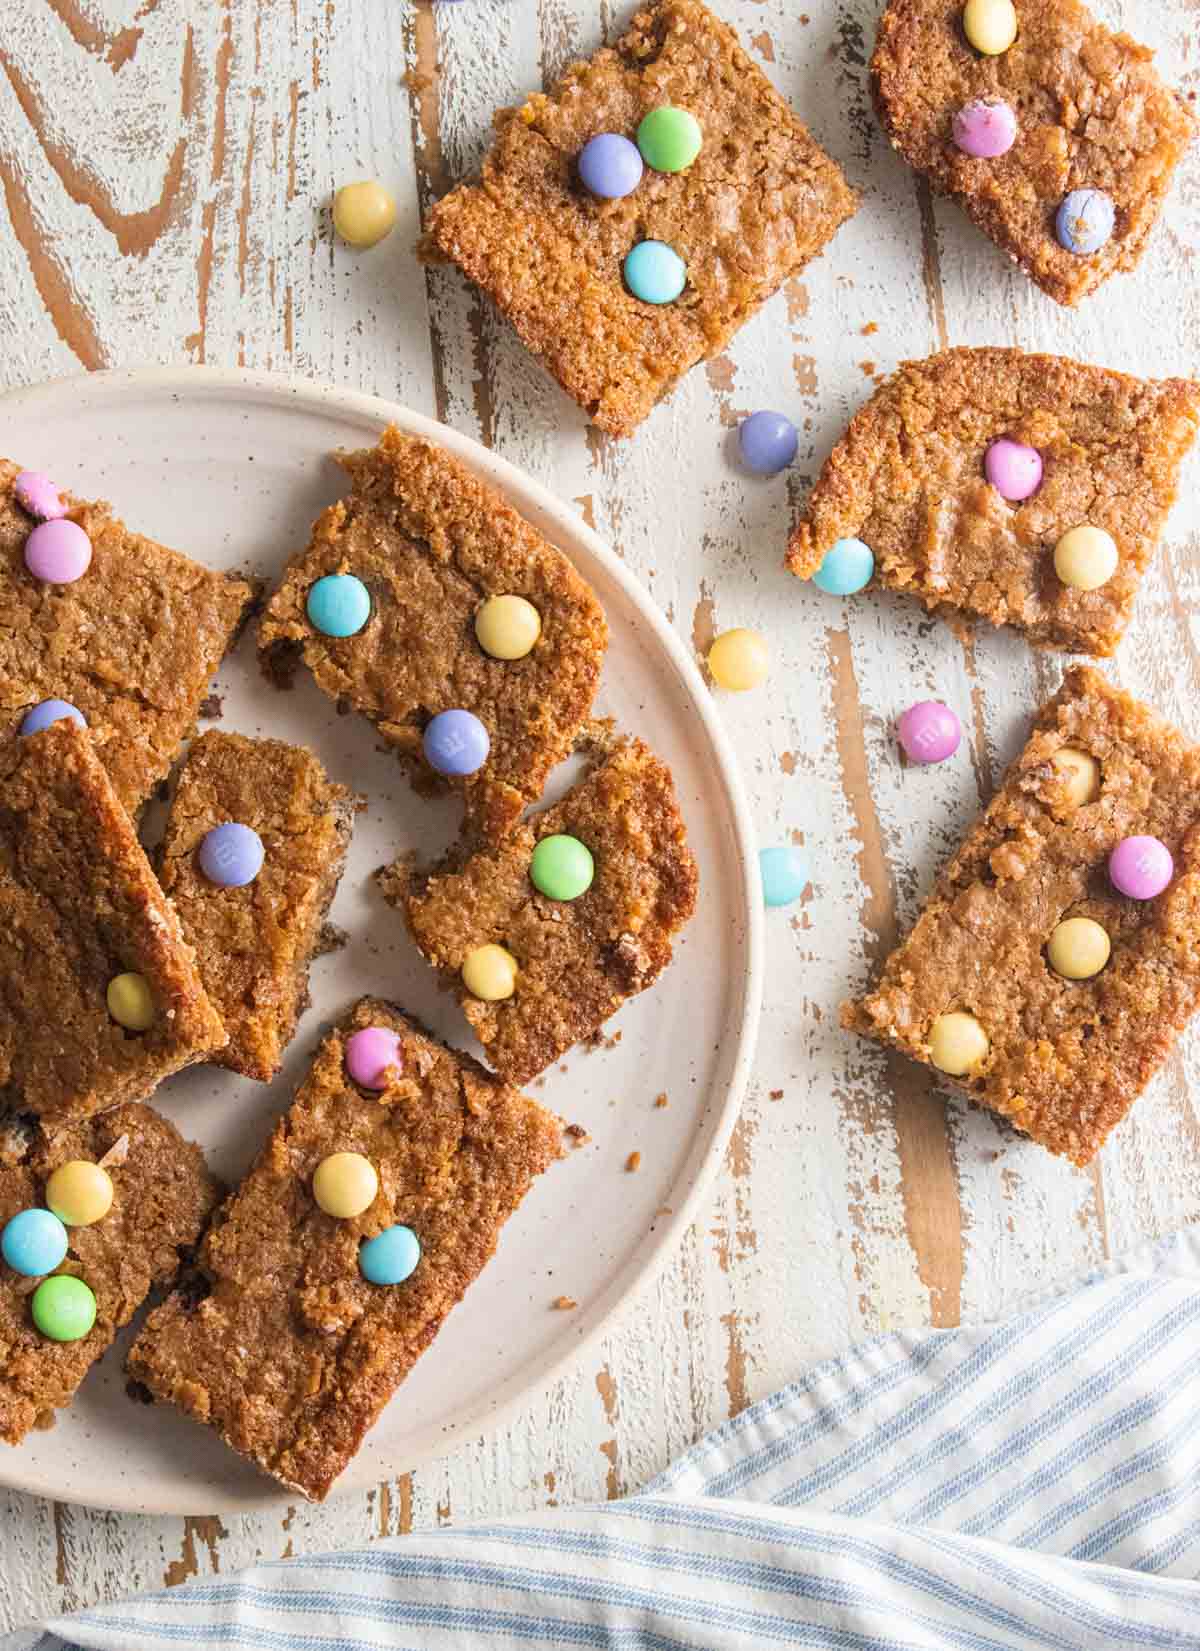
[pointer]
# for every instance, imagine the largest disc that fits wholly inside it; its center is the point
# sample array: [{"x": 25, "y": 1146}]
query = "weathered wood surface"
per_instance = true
[{"x": 166, "y": 167}]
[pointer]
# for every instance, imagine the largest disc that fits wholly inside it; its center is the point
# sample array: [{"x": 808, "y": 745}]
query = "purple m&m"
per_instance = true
[
  {"x": 369, "y": 1053},
  {"x": 1014, "y": 469},
  {"x": 929, "y": 732},
  {"x": 37, "y": 494},
  {"x": 1141, "y": 867},
  {"x": 1085, "y": 221},
  {"x": 456, "y": 743},
  {"x": 58, "y": 552},
  {"x": 231, "y": 855},
  {"x": 51, "y": 710},
  {"x": 610, "y": 166},
  {"x": 985, "y": 128},
  {"x": 768, "y": 442}
]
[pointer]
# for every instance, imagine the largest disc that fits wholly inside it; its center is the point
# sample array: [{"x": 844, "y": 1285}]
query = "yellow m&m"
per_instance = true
[
  {"x": 79, "y": 1193},
  {"x": 738, "y": 660},
  {"x": 345, "y": 1184},
  {"x": 363, "y": 213},
  {"x": 1086, "y": 557},
  {"x": 957, "y": 1043},
  {"x": 507, "y": 627},
  {"x": 490, "y": 973},
  {"x": 990, "y": 25},
  {"x": 1080, "y": 772},
  {"x": 1078, "y": 949},
  {"x": 130, "y": 1003}
]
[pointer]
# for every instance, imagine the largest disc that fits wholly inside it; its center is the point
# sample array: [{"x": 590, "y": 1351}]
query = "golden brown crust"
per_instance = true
[
  {"x": 1068, "y": 1058},
  {"x": 908, "y": 479},
  {"x": 282, "y": 1346},
  {"x": 78, "y": 896},
  {"x": 162, "y": 1197},
  {"x": 133, "y": 644},
  {"x": 254, "y": 944},
  {"x": 579, "y": 961},
  {"x": 1092, "y": 112},
  {"x": 761, "y": 199}
]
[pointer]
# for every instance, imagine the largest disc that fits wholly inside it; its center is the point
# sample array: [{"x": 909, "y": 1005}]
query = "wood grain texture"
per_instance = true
[{"x": 166, "y": 168}]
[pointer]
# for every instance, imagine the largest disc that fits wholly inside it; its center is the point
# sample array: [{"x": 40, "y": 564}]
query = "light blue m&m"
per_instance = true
[
  {"x": 390, "y": 1257},
  {"x": 1085, "y": 221},
  {"x": 34, "y": 1243},
  {"x": 339, "y": 605},
  {"x": 655, "y": 273},
  {"x": 849, "y": 565},
  {"x": 785, "y": 874},
  {"x": 51, "y": 710}
]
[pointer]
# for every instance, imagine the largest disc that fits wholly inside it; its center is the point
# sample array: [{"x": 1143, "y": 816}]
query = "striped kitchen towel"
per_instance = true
[{"x": 1032, "y": 1485}]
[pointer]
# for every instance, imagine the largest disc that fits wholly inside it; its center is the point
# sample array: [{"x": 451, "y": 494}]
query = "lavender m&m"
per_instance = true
[
  {"x": 1014, "y": 469},
  {"x": 369, "y": 1053},
  {"x": 37, "y": 494},
  {"x": 1085, "y": 221},
  {"x": 456, "y": 743},
  {"x": 1141, "y": 867},
  {"x": 929, "y": 732},
  {"x": 58, "y": 552},
  {"x": 610, "y": 166},
  {"x": 985, "y": 128},
  {"x": 51, "y": 710},
  {"x": 231, "y": 855},
  {"x": 768, "y": 442}
]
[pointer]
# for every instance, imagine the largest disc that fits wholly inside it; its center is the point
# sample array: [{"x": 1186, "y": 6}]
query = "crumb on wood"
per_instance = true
[
  {"x": 867, "y": 367},
  {"x": 869, "y": 328},
  {"x": 212, "y": 707},
  {"x": 417, "y": 81},
  {"x": 633, "y": 1163},
  {"x": 45, "y": 1421},
  {"x": 331, "y": 939},
  {"x": 777, "y": 1094},
  {"x": 565, "y": 1304},
  {"x": 577, "y": 1135},
  {"x": 661, "y": 1100},
  {"x": 598, "y": 1040}
]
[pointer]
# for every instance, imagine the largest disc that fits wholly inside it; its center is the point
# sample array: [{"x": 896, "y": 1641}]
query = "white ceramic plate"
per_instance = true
[{"x": 232, "y": 467}]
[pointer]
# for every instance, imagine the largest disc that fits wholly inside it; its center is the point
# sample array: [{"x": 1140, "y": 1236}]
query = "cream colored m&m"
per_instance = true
[
  {"x": 1079, "y": 948},
  {"x": 738, "y": 660},
  {"x": 345, "y": 1184},
  {"x": 79, "y": 1193},
  {"x": 1086, "y": 558},
  {"x": 990, "y": 25},
  {"x": 363, "y": 213},
  {"x": 957, "y": 1043},
  {"x": 507, "y": 627},
  {"x": 1080, "y": 772},
  {"x": 490, "y": 973},
  {"x": 130, "y": 1003}
]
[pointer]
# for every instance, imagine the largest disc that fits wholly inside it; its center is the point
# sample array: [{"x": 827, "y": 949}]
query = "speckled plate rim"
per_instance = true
[{"x": 573, "y": 536}]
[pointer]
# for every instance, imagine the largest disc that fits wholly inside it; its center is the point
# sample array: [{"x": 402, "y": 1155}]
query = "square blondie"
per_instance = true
[
  {"x": 1063, "y": 1059},
  {"x": 756, "y": 204}
]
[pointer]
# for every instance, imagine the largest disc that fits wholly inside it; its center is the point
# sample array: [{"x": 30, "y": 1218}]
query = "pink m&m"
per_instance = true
[
  {"x": 37, "y": 494},
  {"x": 985, "y": 128},
  {"x": 58, "y": 552},
  {"x": 1141, "y": 867},
  {"x": 369, "y": 1053},
  {"x": 929, "y": 732},
  {"x": 1013, "y": 469}
]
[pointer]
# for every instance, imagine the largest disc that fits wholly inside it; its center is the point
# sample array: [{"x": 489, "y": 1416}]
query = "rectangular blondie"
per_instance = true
[
  {"x": 280, "y": 1342},
  {"x": 80, "y": 907},
  {"x": 972, "y": 989}
]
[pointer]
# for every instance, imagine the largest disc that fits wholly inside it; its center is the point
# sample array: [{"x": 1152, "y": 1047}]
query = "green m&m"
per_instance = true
[
  {"x": 64, "y": 1309},
  {"x": 669, "y": 139},
  {"x": 562, "y": 868}
]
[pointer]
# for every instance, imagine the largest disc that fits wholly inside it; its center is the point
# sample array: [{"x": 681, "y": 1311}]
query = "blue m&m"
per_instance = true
[
  {"x": 655, "y": 273},
  {"x": 849, "y": 565},
  {"x": 785, "y": 874},
  {"x": 1085, "y": 221},
  {"x": 456, "y": 743},
  {"x": 390, "y": 1257},
  {"x": 51, "y": 710},
  {"x": 610, "y": 166},
  {"x": 33, "y": 1243},
  {"x": 768, "y": 442},
  {"x": 339, "y": 605},
  {"x": 231, "y": 855}
]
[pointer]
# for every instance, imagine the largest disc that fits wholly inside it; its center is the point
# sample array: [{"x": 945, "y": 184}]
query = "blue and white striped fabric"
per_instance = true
[{"x": 1028, "y": 1486}]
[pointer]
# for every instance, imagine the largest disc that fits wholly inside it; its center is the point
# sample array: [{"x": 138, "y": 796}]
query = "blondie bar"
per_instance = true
[
  {"x": 131, "y": 643},
  {"x": 283, "y": 1343},
  {"x": 254, "y": 848},
  {"x": 757, "y": 201},
  {"x": 1058, "y": 957},
  {"x": 431, "y": 552},
  {"x": 1069, "y": 446},
  {"x": 86, "y": 928}
]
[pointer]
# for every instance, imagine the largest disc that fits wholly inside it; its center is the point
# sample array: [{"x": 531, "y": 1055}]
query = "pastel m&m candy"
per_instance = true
[
  {"x": 768, "y": 442},
  {"x": 37, "y": 494},
  {"x": 64, "y": 1308},
  {"x": 1085, "y": 221},
  {"x": 79, "y": 1193},
  {"x": 490, "y": 973},
  {"x": 338, "y": 605},
  {"x": 929, "y": 732},
  {"x": 654, "y": 272},
  {"x": 456, "y": 743},
  {"x": 34, "y": 1242},
  {"x": 58, "y": 552},
  {"x": 390, "y": 1257},
  {"x": 1141, "y": 867},
  {"x": 49, "y": 711},
  {"x": 785, "y": 874},
  {"x": 345, "y": 1184},
  {"x": 985, "y": 128},
  {"x": 1078, "y": 948},
  {"x": 1086, "y": 557},
  {"x": 562, "y": 867},
  {"x": 738, "y": 660},
  {"x": 848, "y": 566},
  {"x": 957, "y": 1043},
  {"x": 1013, "y": 468},
  {"x": 369, "y": 1053},
  {"x": 610, "y": 166},
  {"x": 1080, "y": 772},
  {"x": 130, "y": 1002},
  {"x": 507, "y": 627},
  {"x": 363, "y": 213},
  {"x": 669, "y": 139},
  {"x": 231, "y": 855},
  {"x": 990, "y": 25}
]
